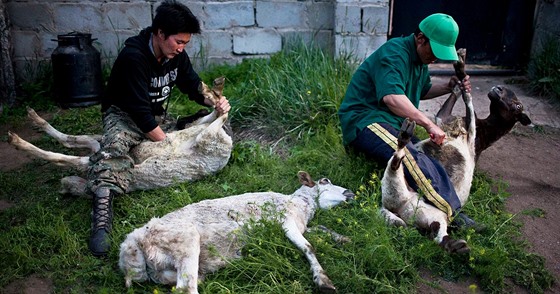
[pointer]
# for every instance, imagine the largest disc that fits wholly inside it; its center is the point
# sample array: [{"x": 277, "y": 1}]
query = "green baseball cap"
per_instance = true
[{"x": 442, "y": 30}]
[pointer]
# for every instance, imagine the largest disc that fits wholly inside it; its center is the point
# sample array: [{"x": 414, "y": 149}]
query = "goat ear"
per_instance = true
[
  {"x": 524, "y": 119},
  {"x": 218, "y": 87},
  {"x": 305, "y": 179}
]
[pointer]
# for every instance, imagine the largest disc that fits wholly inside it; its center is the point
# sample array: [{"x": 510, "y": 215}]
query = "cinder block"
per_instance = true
[
  {"x": 126, "y": 16},
  {"x": 322, "y": 39},
  {"x": 25, "y": 43},
  {"x": 281, "y": 14},
  {"x": 374, "y": 2},
  {"x": 320, "y": 15},
  {"x": 347, "y": 19},
  {"x": 256, "y": 41},
  {"x": 29, "y": 16},
  {"x": 79, "y": 17},
  {"x": 375, "y": 20},
  {"x": 211, "y": 44},
  {"x": 110, "y": 44},
  {"x": 48, "y": 42},
  {"x": 229, "y": 14},
  {"x": 358, "y": 46}
]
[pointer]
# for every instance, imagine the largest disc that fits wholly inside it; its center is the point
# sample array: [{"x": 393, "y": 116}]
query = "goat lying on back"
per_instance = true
[
  {"x": 458, "y": 155},
  {"x": 505, "y": 111},
  {"x": 401, "y": 205},
  {"x": 200, "y": 149},
  {"x": 200, "y": 238}
]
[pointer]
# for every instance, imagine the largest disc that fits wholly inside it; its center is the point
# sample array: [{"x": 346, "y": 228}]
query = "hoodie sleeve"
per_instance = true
[
  {"x": 188, "y": 81},
  {"x": 128, "y": 89}
]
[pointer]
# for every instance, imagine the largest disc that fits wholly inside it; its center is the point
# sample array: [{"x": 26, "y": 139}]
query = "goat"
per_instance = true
[
  {"x": 182, "y": 246},
  {"x": 505, "y": 111},
  {"x": 200, "y": 149},
  {"x": 458, "y": 155},
  {"x": 401, "y": 205}
]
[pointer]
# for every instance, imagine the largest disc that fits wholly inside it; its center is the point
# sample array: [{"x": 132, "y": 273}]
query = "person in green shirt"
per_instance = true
[{"x": 387, "y": 88}]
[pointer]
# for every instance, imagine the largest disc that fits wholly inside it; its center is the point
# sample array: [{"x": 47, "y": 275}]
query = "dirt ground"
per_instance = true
[{"x": 525, "y": 158}]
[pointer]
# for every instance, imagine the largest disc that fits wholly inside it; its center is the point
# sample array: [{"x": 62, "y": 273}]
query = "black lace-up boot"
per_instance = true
[{"x": 102, "y": 218}]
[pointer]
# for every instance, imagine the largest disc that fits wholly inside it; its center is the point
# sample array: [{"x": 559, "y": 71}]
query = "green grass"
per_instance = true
[
  {"x": 544, "y": 70},
  {"x": 293, "y": 97}
]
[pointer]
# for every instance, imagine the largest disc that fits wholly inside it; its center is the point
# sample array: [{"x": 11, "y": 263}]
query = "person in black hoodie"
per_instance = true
[{"x": 145, "y": 71}]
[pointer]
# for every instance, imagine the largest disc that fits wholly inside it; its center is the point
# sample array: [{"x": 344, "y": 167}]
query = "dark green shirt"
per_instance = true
[{"x": 394, "y": 68}]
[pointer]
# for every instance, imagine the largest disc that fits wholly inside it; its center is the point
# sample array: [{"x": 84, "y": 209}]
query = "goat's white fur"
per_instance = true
[
  {"x": 200, "y": 238},
  {"x": 200, "y": 149}
]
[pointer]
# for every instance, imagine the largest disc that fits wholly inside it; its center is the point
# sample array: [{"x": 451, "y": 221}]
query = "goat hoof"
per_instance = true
[
  {"x": 406, "y": 132},
  {"x": 455, "y": 246},
  {"x": 459, "y": 246},
  {"x": 327, "y": 288}
]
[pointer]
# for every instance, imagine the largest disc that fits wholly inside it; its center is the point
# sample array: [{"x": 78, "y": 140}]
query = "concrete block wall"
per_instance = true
[
  {"x": 360, "y": 26},
  {"x": 232, "y": 30}
]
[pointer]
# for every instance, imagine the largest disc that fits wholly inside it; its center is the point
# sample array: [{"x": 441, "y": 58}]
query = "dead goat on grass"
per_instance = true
[{"x": 182, "y": 246}]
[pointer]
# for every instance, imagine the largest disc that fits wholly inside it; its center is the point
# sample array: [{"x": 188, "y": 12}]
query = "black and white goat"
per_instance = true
[{"x": 467, "y": 137}]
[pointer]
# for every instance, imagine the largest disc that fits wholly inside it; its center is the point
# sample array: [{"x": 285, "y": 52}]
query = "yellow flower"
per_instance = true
[{"x": 308, "y": 92}]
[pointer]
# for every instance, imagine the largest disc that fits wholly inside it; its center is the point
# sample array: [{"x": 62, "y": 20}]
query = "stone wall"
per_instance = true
[{"x": 232, "y": 30}]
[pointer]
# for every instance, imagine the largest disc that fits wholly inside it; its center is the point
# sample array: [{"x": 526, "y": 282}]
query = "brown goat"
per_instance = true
[{"x": 505, "y": 111}]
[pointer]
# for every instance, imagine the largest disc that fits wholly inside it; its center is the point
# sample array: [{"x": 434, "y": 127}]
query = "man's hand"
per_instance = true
[
  {"x": 222, "y": 106},
  {"x": 436, "y": 134},
  {"x": 156, "y": 134},
  {"x": 465, "y": 84}
]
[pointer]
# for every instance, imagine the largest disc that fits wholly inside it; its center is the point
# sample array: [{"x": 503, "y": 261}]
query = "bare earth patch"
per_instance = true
[{"x": 30, "y": 285}]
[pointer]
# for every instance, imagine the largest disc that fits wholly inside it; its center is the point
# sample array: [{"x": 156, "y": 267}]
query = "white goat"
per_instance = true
[
  {"x": 401, "y": 205},
  {"x": 182, "y": 246},
  {"x": 200, "y": 149}
]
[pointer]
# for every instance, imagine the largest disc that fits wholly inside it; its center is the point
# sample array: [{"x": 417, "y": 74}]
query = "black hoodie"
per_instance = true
[{"x": 139, "y": 85}]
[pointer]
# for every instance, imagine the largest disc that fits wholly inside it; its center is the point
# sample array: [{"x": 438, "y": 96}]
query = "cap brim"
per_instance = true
[{"x": 444, "y": 52}]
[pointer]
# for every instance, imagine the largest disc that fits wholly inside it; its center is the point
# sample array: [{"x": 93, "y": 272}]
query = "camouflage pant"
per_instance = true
[{"x": 110, "y": 166}]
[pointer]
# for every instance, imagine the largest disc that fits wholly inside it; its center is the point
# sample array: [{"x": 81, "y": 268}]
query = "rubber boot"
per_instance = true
[
  {"x": 101, "y": 223},
  {"x": 463, "y": 222}
]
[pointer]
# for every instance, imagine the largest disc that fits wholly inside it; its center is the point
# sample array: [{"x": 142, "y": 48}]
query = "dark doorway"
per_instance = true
[{"x": 496, "y": 32}]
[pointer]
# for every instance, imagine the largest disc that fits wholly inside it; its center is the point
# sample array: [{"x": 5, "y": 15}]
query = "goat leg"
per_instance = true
[
  {"x": 319, "y": 276},
  {"x": 467, "y": 98},
  {"x": 338, "y": 238},
  {"x": 90, "y": 142},
  {"x": 454, "y": 246},
  {"x": 78, "y": 162},
  {"x": 444, "y": 114}
]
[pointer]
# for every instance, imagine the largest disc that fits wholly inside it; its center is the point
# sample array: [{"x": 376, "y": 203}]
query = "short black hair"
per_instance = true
[
  {"x": 418, "y": 31},
  {"x": 173, "y": 17}
]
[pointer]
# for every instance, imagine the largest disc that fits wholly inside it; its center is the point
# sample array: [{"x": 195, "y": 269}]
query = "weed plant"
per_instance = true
[
  {"x": 294, "y": 95},
  {"x": 544, "y": 70}
]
